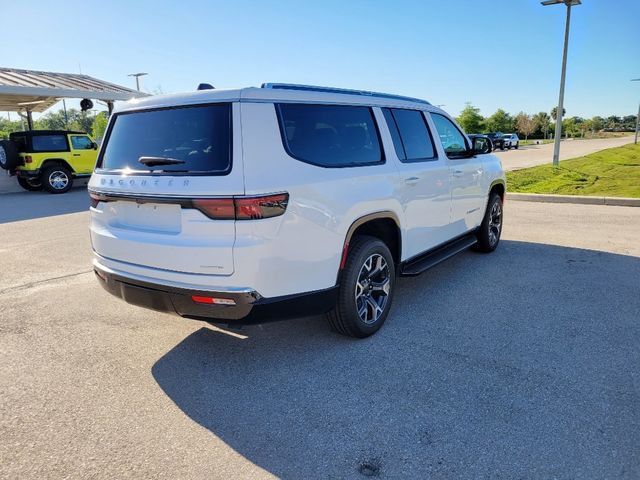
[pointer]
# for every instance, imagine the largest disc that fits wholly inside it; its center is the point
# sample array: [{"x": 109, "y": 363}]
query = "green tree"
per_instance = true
[
  {"x": 8, "y": 126},
  {"x": 613, "y": 122},
  {"x": 554, "y": 113},
  {"x": 99, "y": 126},
  {"x": 597, "y": 124},
  {"x": 74, "y": 120},
  {"x": 470, "y": 119},
  {"x": 525, "y": 124},
  {"x": 500, "y": 121},
  {"x": 543, "y": 123}
]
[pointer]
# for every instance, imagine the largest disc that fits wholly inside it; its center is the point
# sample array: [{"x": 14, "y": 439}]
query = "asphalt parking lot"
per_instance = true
[{"x": 520, "y": 364}]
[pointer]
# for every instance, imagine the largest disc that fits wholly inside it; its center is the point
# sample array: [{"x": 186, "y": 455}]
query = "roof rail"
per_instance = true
[{"x": 313, "y": 88}]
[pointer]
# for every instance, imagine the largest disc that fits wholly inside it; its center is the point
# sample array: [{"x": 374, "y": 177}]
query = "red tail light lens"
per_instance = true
[
  {"x": 93, "y": 199},
  {"x": 261, "y": 207},
  {"x": 216, "y": 208},
  {"x": 28, "y": 159},
  {"x": 243, "y": 208}
]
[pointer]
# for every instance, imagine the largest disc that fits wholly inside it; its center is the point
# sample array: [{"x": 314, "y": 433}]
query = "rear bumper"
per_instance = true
[
  {"x": 28, "y": 173},
  {"x": 250, "y": 307}
]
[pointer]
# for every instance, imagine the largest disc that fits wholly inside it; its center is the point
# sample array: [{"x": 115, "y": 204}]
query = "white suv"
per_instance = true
[
  {"x": 511, "y": 140},
  {"x": 258, "y": 204}
]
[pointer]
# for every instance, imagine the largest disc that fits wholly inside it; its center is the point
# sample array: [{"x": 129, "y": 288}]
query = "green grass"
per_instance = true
[{"x": 614, "y": 172}]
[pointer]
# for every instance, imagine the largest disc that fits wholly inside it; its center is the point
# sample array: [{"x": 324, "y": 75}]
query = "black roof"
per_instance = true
[{"x": 34, "y": 133}]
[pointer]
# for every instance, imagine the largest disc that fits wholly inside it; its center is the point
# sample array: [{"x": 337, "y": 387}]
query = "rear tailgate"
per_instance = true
[{"x": 147, "y": 213}]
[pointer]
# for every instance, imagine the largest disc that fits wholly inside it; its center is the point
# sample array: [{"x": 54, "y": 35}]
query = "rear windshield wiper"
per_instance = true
[{"x": 155, "y": 161}]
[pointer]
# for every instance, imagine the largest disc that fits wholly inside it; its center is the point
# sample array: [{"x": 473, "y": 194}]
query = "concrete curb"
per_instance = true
[{"x": 579, "y": 199}]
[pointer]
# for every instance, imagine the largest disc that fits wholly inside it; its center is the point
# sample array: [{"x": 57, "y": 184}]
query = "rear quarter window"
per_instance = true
[
  {"x": 49, "y": 143},
  {"x": 199, "y": 137},
  {"x": 330, "y": 135}
]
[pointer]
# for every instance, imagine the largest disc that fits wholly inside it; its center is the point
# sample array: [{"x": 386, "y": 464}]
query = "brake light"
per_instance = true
[
  {"x": 254, "y": 208},
  {"x": 93, "y": 200},
  {"x": 243, "y": 208},
  {"x": 28, "y": 159},
  {"x": 216, "y": 208}
]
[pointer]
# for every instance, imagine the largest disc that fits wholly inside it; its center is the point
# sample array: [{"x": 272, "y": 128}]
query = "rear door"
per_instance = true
[
  {"x": 426, "y": 197},
  {"x": 83, "y": 153},
  {"x": 155, "y": 168}
]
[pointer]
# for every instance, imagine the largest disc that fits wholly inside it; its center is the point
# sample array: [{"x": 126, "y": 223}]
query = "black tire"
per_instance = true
[
  {"x": 30, "y": 185},
  {"x": 57, "y": 179},
  {"x": 502, "y": 146},
  {"x": 8, "y": 155},
  {"x": 517, "y": 145},
  {"x": 488, "y": 234},
  {"x": 346, "y": 317}
]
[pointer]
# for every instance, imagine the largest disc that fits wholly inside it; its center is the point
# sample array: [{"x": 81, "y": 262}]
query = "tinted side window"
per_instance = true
[
  {"x": 330, "y": 135},
  {"x": 452, "y": 139},
  {"x": 79, "y": 142},
  {"x": 410, "y": 134},
  {"x": 49, "y": 143}
]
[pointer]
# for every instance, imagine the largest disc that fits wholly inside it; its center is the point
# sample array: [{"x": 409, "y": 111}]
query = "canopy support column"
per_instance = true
[
  {"x": 29, "y": 120},
  {"x": 110, "y": 107}
]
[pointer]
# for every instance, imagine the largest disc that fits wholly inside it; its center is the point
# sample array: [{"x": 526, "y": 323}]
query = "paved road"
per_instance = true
[
  {"x": 520, "y": 364},
  {"x": 531, "y": 155}
]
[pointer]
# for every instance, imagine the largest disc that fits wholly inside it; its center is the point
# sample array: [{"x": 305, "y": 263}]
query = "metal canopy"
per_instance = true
[{"x": 33, "y": 91}]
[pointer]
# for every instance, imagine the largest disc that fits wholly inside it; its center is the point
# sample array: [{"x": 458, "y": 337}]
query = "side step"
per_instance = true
[{"x": 434, "y": 257}]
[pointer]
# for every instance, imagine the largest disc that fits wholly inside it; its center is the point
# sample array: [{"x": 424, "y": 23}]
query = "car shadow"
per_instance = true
[
  {"x": 30, "y": 205},
  {"x": 516, "y": 362}
]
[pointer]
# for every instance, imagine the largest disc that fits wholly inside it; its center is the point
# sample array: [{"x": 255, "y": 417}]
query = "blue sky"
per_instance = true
[{"x": 493, "y": 53}]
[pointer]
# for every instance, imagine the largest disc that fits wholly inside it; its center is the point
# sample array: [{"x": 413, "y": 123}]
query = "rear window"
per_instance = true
[
  {"x": 197, "y": 138},
  {"x": 330, "y": 135},
  {"x": 411, "y": 137},
  {"x": 49, "y": 143}
]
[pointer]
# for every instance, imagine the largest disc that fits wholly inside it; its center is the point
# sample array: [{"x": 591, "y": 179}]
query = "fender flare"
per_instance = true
[
  {"x": 62, "y": 161},
  {"x": 385, "y": 214},
  {"x": 498, "y": 181}
]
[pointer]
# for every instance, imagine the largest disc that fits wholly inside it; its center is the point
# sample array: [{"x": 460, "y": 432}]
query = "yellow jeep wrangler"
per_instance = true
[{"x": 48, "y": 159}]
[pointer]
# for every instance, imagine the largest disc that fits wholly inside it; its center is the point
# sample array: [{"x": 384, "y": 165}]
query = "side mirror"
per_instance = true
[
  {"x": 94, "y": 145},
  {"x": 481, "y": 145}
]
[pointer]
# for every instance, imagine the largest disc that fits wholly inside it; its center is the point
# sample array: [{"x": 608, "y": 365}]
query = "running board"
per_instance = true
[{"x": 434, "y": 257}]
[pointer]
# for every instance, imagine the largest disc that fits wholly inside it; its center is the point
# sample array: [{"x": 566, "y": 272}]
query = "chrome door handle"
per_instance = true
[{"x": 411, "y": 180}]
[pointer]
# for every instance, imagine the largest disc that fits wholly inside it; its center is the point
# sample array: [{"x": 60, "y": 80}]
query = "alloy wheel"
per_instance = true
[
  {"x": 372, "y": 288},
  {"x": 58, "y": 179},
  {"x": 495, "y": 223}
]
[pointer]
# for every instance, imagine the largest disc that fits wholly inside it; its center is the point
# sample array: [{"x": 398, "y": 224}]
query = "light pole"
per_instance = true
[
  {"x": 556, "y": 142},
  {"x": 638, "y": 116},
  {"x": 137, "y": 75}
]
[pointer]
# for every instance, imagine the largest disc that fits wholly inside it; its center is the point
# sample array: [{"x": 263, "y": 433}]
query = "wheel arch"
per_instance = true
[
  {"x": 384, "y": 225},
  {"x": 56, "y": 161},
  {"x": 499, "y": 187}
]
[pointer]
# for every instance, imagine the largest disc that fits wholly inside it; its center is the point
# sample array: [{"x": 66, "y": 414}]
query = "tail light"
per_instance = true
[
  {"x": 229, "y": 208},
  {"x": 243, "y": 208},
  {"x": 28, "y": 159},
  {"x": 216, "y": 208},
  {"x": 93, "y": 199},
  {"x": 253, "y": 208}
]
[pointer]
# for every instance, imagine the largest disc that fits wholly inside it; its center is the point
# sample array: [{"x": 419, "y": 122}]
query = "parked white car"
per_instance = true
[
  {"x": 511, "y": 140},
  {"x": 258, "y": 204}
]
